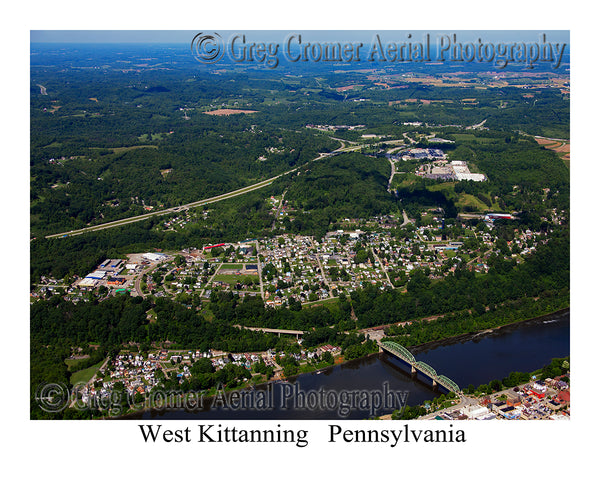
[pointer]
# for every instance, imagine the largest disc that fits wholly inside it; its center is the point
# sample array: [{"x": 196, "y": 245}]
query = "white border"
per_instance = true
[{"x": 100, "y": 449}]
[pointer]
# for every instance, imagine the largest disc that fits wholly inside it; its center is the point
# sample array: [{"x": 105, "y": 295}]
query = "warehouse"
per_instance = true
[
  {"x": 97, "y": 275},
  {"x": 87, "y": 282},
  {"x": 461, "y": 171},
  {"x": 154, "y": 257}
]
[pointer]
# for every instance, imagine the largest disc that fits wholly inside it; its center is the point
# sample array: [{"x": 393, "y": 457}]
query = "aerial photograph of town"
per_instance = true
[
  {"x": 206, "y": 234},
  {"x": 236, "y": 235}
]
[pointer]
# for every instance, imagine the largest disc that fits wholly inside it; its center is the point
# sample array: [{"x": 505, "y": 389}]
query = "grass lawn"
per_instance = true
[
  {"x": 403, "y": 180},
  {"x": 233, "y": 279},
  {"x": 86, "y": 374},
  {"x": 465, "y": 199},
  {"x": 447, "y": 188},
  {"x": 326, "y": 302}
]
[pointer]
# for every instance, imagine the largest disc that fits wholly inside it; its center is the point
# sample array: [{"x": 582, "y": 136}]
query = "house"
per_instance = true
[
  {"x": 564, "y": 397},
  {"x": 513, "y": 399}
]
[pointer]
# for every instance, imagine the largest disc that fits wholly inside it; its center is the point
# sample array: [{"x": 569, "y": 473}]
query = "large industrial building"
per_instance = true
[
  {"x": 154, "y": 257},
  {"x": 461, "y": 172}
]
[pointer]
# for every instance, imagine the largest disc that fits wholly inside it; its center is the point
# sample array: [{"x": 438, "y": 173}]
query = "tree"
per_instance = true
[
  {"x": 327, "y": 357},
  {"x": 202, "y": 365},
  {"x": 495, "y": 385}
]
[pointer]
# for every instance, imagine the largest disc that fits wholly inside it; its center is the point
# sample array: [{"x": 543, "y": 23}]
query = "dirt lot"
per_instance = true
[
  {"x": 228, "y": 111},
  {"x": 346, "y": 88}
]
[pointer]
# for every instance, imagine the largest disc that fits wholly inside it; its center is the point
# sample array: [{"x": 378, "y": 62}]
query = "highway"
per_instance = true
[
  {"x": 199, "y": 203},
  {"x": 138, "y": 218}
]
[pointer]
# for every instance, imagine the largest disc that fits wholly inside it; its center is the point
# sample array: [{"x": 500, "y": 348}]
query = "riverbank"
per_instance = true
[
  {"x": 322, "y": 375},
  {"x": 224, "y": 396},
  {"x": 466, "y": 337}
]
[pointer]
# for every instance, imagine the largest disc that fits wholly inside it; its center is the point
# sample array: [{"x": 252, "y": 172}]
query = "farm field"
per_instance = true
[
  {"x": 228, "y": 111},
  {"x": 562, "y": 147}
]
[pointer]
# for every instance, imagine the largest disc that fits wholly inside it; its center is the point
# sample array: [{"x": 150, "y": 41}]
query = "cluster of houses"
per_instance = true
[
  {"x": 136, "y": 373},
  {"x": 543, "y": 399},
  {"x": 307, "y": 269},
  {"x": 306, "y": 355}
]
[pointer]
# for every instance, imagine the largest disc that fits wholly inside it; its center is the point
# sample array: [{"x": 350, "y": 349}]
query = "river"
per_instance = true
[{"x": 352, "y": 390}]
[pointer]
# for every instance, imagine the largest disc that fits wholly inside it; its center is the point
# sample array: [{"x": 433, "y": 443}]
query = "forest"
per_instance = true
[{"x": 107, "y": 144}]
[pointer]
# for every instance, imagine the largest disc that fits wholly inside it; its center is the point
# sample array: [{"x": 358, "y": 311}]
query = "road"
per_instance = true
[
  {"x": 199, "y": 203},
  {"x": 479, "y": 257},
  {"x": 383, "y": 269},
  {"x": 260, "y": 275},
  {"x": 479, "y": 125},
  {"x": 463, "y": 402},
  {"x": 206, "y": 201},
  {"x": 325, "y": 281},
  {"x": 564, "y": 140},
  {"x": 138, "y": 280},
  {"x": 406, "y": 219},
  {"x": 393, "y": 164},
  {"x": 210, "y": 280},
  {"x": 405, "y": 135},
  {"x": 278, "y": 210},
  {"x": 145, "y": 216}
]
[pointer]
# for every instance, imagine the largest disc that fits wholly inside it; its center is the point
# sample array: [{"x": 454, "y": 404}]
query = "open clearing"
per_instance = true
[
  {"x": 84, "y": 376},
  {"x": 125, "y": 149},
  {"x": 229, "y": 111},
  {"x": 234, "y": 279},
  {"x": 348, "y": 87}
]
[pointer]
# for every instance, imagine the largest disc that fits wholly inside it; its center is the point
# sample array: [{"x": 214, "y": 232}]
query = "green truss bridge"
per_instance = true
[{"x": 399, "y": 351}]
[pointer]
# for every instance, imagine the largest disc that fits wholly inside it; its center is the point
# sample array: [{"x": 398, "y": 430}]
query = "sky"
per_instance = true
[{"x": 185, "y": 36}]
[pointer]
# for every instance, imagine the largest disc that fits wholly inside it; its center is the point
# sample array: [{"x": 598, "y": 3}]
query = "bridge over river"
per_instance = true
[{"x": 403, "y": 354}]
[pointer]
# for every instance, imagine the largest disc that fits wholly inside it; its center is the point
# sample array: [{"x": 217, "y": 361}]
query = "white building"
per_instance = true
[
  {"x": 474, "y": 411},
  {"x": 153, "y": 257}
]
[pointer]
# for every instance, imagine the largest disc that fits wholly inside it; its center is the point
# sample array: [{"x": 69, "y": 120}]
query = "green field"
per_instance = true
[
  {"x": 232, "y": 266},
  {"x": 447, "y": 188},
  {"x": 465, "y": 200},
  {"x": 403, "y": 180},
  {"x": 86, "y": 374},
  {"x": 233, "y": 279}
]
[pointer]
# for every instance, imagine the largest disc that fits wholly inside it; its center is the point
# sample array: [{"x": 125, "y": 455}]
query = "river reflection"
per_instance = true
[{"x": 523, "y": 347}]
